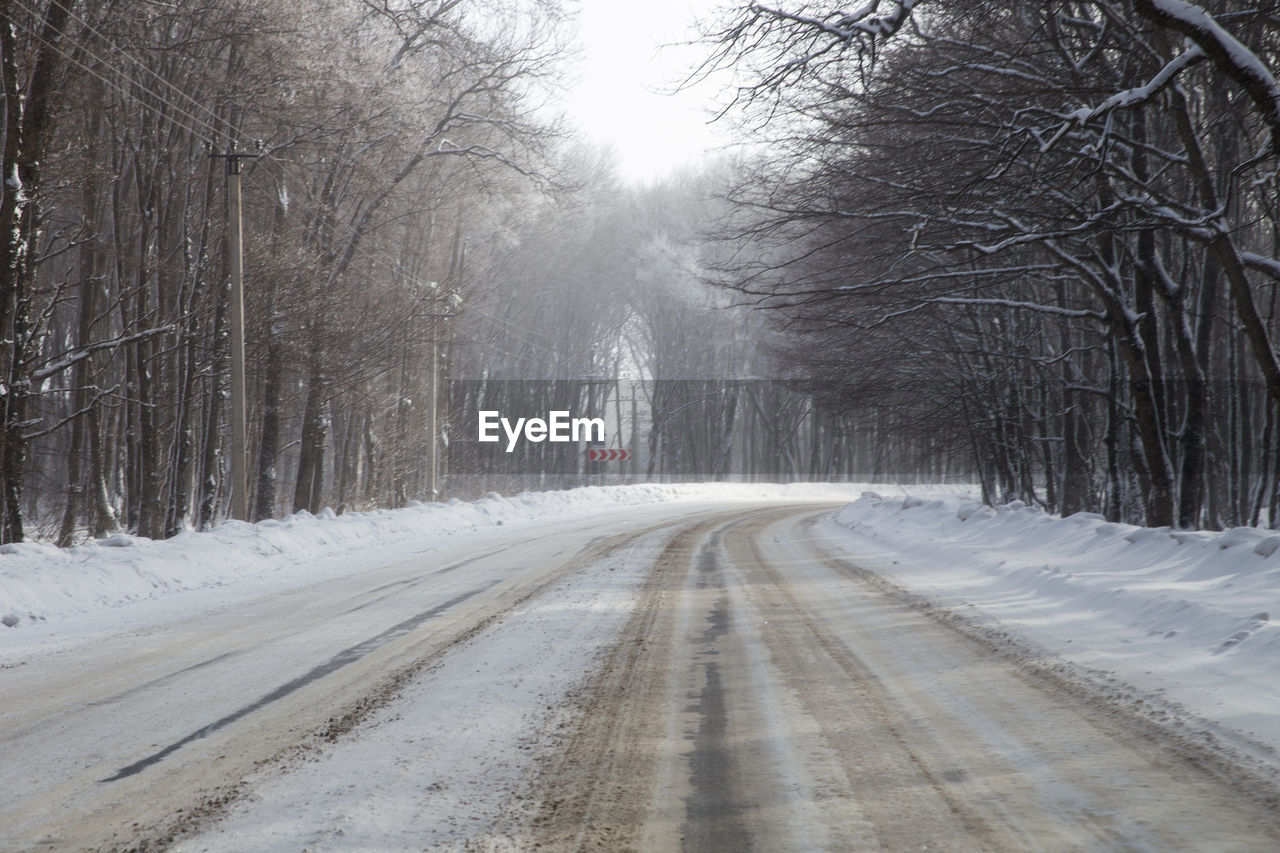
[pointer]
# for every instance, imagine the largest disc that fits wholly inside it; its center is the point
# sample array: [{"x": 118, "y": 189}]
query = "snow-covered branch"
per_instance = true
[
  {"x": 865, "y": 22},
  {"x": 1262, "y": 263},
  {"x": 1054, "y": 310},
  {"x": 1134, "y": 97},
  {"x": 1227, "y": 52},
  {"x": 65, "y": 361},
  {"x": 1020, "y": 305}
]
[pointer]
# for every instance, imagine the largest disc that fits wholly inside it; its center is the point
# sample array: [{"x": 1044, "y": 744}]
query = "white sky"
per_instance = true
[{"x": 620, "y": 100}]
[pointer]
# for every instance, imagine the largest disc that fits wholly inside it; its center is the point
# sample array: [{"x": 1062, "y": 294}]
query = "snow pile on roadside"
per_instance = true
[
  {"x": 40, "y": 582},
  {"x": 1195, "y": 615}
]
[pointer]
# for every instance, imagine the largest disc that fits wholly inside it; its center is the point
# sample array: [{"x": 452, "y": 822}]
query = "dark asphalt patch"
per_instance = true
[{"x": 335, "y": 663}]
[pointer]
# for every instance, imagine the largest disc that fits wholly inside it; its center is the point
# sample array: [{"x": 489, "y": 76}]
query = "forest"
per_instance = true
[
  {"x": 1031, "y": 245},
  {"x": 1044, "y": 230}
]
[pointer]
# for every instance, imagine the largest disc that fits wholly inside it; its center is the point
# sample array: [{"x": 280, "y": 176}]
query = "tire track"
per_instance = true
[
  {"x": 151, "y": 802},
  {"x": 712, "y": 803},
  {"x": 651, "y": 762},
  {"x": 764, "y": 698},
  {"x": 597, "y": 794}
]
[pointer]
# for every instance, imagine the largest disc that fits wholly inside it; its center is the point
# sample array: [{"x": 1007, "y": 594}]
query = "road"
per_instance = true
[{"x": 667, "y": 678}]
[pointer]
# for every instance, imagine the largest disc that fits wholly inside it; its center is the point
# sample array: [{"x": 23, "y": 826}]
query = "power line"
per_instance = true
[
  {"x": 115, "y": 48},
  {"x": 200, "y": 124},
  {"x": 206, "y": 122}
]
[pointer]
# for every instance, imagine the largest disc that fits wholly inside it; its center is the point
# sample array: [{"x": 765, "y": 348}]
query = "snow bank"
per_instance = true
[
  {"x": 40, "y": 582},
  {"x": 1194, "y": 615}
]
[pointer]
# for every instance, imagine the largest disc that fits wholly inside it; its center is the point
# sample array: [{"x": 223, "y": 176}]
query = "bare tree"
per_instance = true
[{"x": 944, "y": 177}]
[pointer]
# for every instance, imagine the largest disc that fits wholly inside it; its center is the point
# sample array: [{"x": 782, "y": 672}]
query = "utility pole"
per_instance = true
[
  {"x": 239, "y": 406},
  {"x": 435, "y": 403}
]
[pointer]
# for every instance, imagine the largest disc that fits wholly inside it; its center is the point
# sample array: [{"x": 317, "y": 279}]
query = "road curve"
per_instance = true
[
  {"x": 123, "y": 740},
  {"x": 758, "y": 692},
  {"x": 765, "y": 696}
]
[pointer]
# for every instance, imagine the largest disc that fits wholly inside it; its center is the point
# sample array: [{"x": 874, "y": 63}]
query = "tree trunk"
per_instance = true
[
  {"x": 308, "y": 489},
  {"x": 268, "y": 446},
  {"x": 28, "y": 118},
  {"x": 210, "y": 461}
]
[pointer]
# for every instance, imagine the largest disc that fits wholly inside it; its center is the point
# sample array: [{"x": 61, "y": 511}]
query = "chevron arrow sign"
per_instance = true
[{"x": 607, "y": 454}]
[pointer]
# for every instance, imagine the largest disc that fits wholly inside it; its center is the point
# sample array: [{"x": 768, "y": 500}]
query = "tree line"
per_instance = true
[
  {"x": 373, "y": 133},
  {"x": 677, "y": 431},
  {"x": 608, "y": 305},
  {"x": 1045, "y": 232},
  {"x": 1032, "y": 243},
  {"x": 416, "y": 219}
]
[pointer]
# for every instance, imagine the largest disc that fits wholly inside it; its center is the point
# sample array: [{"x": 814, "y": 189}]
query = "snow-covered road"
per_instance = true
[
  {"x": 140, "y": 728},
  {"x": 698, "y": 674},
  {"x": 769, "y": 695}
]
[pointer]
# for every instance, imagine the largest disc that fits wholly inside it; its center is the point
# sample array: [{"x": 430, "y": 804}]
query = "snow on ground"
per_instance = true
[
  {"x": 1191, "y": 616},
  {"x": 435, "y": 768},
  {"x": 39, "y": 582}
]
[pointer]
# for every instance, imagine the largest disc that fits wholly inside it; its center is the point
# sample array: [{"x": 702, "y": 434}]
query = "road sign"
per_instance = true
[{"x": 608, "y": 454}]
